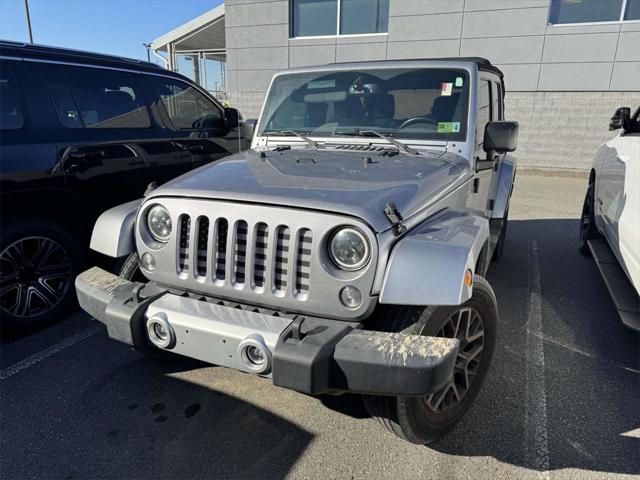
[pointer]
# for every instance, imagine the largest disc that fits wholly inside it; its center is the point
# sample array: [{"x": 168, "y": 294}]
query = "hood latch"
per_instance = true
[{"x": 393, "y": 215}]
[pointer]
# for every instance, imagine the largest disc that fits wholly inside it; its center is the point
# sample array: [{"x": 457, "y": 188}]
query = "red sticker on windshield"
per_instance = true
[{"x": 447, "y": 88}]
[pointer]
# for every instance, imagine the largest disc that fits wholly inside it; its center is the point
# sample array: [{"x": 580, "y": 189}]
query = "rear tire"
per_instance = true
[
  {"x": 129, "y": 269},
  {"x": 39, "y": 261},
  {"x": 498, "y": 252},
  {"x": 588, "y": 229},
  {"x": 422, "y": 420}
]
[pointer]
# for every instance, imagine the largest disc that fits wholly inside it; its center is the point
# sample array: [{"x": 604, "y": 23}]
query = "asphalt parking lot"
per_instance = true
[{"x": 562, "y": 399}]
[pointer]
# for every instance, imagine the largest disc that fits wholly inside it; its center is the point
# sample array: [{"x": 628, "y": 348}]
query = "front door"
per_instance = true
[
  {"x": 101, "y": 113},
  {"x": 618, "y": 198},
  {"x": 198, "y": 122}
]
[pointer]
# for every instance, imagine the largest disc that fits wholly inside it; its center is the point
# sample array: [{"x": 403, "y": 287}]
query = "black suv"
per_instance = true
[{"x": 80, "y": 133}]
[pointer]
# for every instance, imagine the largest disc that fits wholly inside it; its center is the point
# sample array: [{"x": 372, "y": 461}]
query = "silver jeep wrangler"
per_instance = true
[{"x": 344, "y": 252}]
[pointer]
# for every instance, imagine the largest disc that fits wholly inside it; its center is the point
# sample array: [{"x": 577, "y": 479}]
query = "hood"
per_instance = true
[{"x": 329, "y": 180}]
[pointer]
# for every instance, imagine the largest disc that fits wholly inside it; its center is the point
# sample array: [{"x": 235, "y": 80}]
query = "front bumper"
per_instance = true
[{"x": 309, "y": 355}]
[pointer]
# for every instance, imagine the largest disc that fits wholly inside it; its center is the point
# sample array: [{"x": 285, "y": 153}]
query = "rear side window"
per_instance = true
[
  {"x": 496, "y": 102},
  {"x": 11, "y": 117},
  {"x": 96, "y": 98},
  {"x": 484, "y": 110},
  {"x": 188, "y": 109}
]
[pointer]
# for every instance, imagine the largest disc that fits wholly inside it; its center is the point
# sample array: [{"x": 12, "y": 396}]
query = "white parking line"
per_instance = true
[
  {"x": 536, "y": 441},
  {"x": 36, "y": 358}
]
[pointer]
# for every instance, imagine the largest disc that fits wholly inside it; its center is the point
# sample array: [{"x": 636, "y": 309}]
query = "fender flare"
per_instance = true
[
  {"x": 504, "y": 188},
  {"x": 113, "y": 231},
  {"x": 428, "y": 265}
]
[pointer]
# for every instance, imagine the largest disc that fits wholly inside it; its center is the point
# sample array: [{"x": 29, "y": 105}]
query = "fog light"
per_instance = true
[
  {"x": 148, "y": 262},
  {"x": 255, "y": 354},
  {"x": 351, "y": 297},
  {"x": 160, "y": 332}
]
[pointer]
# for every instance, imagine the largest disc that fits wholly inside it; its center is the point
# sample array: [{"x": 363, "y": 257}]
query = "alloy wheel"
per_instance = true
[
  {"x": 35, "y": 275},
  {"x": 467, "y": 326}
]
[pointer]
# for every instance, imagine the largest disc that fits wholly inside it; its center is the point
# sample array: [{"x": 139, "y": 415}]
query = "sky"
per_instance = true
[{"x": 117, "y": 27}]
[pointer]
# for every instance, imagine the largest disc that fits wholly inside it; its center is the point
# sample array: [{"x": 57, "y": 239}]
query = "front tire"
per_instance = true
[
  {"x": 588, "y": 229},
  {"x": 128, "y": 268},
  {"x": 39, "y": 261},
  {"x": 422, "y": 420}
]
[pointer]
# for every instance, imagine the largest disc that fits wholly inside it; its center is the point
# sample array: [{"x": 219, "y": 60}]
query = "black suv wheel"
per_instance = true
[{"x": 39, "y": 261}]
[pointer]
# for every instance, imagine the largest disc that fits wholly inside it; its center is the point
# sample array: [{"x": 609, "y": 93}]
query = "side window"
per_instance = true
[
  {"x": 96, "y": 98},
  {"x": 496, "y": 102},
  {"x": 484, "y": 111},
  {"x": 11, "y": 117},
  {"x": 188, "y": 109}
]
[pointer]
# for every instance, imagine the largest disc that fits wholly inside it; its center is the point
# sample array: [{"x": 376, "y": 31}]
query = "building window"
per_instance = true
[
  {"x": 592, "y": 11},
  {"x": 311, "y": 18},
  {"x": 633, "y": 10}
]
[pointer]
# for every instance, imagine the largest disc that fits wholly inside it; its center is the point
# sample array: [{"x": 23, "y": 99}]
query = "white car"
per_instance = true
[{"x": 610, "y": 224}]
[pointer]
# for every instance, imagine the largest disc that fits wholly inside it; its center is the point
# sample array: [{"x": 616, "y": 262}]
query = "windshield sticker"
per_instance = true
[
  {"x": 447, "y": 88},
  {"x": 459, "y": 82},
  {"x": 448, "y": 127},
  {"x": 321, "y": 84}
]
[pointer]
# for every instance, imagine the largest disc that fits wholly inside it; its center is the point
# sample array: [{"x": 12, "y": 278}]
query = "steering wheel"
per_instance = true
[{"x": 413, "y": 120}]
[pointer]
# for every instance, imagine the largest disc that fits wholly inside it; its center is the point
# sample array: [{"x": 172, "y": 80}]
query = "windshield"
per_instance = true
[{"x": 420, "y": 103}]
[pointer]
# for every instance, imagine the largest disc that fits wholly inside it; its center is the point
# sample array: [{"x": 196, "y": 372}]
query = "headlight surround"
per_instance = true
[
  {"x": 159, "y": 223},
  {"x": 349, "y": 249}
]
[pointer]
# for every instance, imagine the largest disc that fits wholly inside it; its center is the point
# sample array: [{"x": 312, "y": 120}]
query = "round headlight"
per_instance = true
[
  {"x": 349, "y": 249},
  {"x": 159, "y": 223}
]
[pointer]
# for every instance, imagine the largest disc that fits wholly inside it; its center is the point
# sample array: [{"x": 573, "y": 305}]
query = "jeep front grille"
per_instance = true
[
  {"x": 263, "y": 255},
  {"x": 249, "y": 262}
]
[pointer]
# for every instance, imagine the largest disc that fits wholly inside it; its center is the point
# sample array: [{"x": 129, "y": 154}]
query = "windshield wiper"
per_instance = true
[
  {"x": 392, "y": 141},
  {"x": 299, "y": 135}
]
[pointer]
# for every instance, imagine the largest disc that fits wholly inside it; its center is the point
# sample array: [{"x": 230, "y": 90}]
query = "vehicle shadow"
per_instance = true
[
  {"x": 137, "y": 419},
  {"x": 590, "y": 386}
]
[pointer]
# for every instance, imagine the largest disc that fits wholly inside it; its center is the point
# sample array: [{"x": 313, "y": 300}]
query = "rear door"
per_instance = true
[
  {"x": 101, "y": 115},
  {"x": 27, "y": 150},
  {"x": 483, "y": 179},
  {"x": 196, "y": 120}
]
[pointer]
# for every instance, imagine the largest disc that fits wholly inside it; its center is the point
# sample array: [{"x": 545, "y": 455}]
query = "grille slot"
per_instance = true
[
  {"x": 222, "y": 227},
  {"x": 260, "y": 254},
  {"x": 280, "y": 263},
  {"x": 183, "y": 253},
  {"x": 235, "y": 252},
  {"x": 303, "y": 262},
  {"x": 240, "y": 253},
  {"x": 202, "y": 234}
]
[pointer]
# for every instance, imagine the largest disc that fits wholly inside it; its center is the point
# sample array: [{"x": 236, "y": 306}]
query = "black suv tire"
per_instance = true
[{"x": 39, "y": 261}]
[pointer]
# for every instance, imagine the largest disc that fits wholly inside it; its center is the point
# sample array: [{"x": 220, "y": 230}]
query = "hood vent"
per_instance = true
[{"x": 362, "y": 148}]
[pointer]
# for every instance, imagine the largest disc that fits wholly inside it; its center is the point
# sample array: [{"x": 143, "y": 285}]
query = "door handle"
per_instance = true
[
  {"x": 80, "y": 162},
  {"x": 89, "y": 155},
  {"x": 190, "y": 148}
]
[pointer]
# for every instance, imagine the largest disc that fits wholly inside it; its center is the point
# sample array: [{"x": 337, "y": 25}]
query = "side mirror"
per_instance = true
[
  {"x": 249, "y": 128},
  {"x": 620, "y": 119},
  {"x": 231, "y": 117},
  {"x": 501, "y": 136}
]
